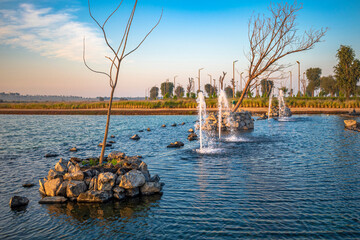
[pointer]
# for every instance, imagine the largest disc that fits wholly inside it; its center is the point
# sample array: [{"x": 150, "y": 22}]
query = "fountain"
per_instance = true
[
  {"x": 222, "y": 104},
  {"x": 202, "y": 115},
  {"x": 281, "y": 103}
]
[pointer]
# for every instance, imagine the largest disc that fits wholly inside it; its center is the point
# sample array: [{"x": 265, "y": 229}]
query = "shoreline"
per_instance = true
[{"x": 163, "y": 111}]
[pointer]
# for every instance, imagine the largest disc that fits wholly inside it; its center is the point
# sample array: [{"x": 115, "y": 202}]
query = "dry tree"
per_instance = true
[
  {"x": 272, "y": 38},
  {"x": 118, "y": 55}
]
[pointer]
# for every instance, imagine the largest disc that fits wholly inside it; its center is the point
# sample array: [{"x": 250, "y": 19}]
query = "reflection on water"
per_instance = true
[{"x": 295, "y": 179}]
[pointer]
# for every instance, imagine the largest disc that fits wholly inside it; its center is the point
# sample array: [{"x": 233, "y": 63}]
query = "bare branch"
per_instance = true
[
  {"x": 103, "y": 26},
  {"x": 100, "y": 72}
]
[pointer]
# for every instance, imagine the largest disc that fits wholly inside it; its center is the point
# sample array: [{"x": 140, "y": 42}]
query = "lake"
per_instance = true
[{"x": 283, "y": 180}]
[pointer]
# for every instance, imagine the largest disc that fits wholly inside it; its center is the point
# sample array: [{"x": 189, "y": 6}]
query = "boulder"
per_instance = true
[
  {"x": 78, "y": 176},
  {"x": 106, "y": 181},
  {"x": 155, "y": 178},
  {"x": 74, "y": 149},
  {"x": 144, "y": 169},
  {"x": 93, "y": 196},
  {"x": 183, "y": 123},
  {"x": 41, "y": 187},
  {"x": 350, "y": 123},
  {"x": 61, "y": 166},
  {"x": 51, "y": 186},
  {"x": 48, "y": 155},
  {"x": 176, "y": 145},
  {"x": 133, "y": 192},
  {"x": 17, "y": 201},
  {"x": 191, "y": 130},
  {"x": 135, "y": 137},
  {"x": 61, "y": 191},
  {"x": 50, "y": 200},
  {"x": 116, "y": 155},
  {"x": 132, "y": 179},
  {"x": 73, "y": 167},
  {"x": 52, "y": 174},
  {"x": 28, "y": 185},
  {"x": 93, "y": 183},
  {"x": 74, "y": 188},
  {"x": 192, "y": 137},
  {"x": 119, "y": 193},
  {"x": 150, "y": 188}
]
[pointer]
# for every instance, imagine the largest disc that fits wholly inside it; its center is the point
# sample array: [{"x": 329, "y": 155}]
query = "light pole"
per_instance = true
[
  {"x": 298, "y": 77},
  {"x": 291, "y": 92},
  {"x": 210, "y": 83},
  {"x": 199, "y": 78},
  {"x": 174, "y": 79},
  {"x": 234, "y": 77},
  {"x": 304, "y": 84},
  {"x": 241, "y": 81}
]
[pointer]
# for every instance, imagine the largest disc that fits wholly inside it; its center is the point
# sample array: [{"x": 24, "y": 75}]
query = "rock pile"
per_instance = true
[
  {"x": 352, "y": 125},
  {"x": 230, "y": 121},
  {"x": 120, "y": 177},
  {"x": 275, "y": 112}
]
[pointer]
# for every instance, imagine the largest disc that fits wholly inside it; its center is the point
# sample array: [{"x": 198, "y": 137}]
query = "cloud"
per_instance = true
[{"x": 51, "y": 34}]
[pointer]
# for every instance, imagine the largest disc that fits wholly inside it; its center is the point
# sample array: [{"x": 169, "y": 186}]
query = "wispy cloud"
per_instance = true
[{"x": 51, "y": 34}]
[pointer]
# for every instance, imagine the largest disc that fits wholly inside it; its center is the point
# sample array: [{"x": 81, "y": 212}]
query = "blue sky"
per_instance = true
[{"x": 41, "y": 42}]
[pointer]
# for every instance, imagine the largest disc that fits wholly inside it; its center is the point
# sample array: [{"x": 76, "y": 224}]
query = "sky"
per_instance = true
[{"x": 41, "y": 43}]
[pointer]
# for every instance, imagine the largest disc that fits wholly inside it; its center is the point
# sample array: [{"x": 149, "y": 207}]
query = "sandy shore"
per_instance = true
[{"x": 168, "y": 111}]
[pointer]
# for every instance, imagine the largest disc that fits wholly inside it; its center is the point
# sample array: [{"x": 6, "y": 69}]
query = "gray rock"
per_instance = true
[
  {"x": 116, "y": 155},
  {"x": 192, "y": 137},
  {"x": 173, "y": 125},
  {"x": 17, "y": 201},
  {"x": 74, "y": 188},
  {"x": 61, "y": 191},
  {"x": 177, "y": 144},
  {"x": 95, "y": 196},
  {"x": 52, "y": 174},
  {"x": 144, "y": 169},
  {"x": 132, "y": 179},
  {"x": 133, "y": 192},
  {"x": 106, "y": 181},
  {"x": 28, "y": 185},
  {"x": 78, "y": 176},
  {"x": 61, "y": 166},
  {"x": 88, "y": 173},
  {"x": 50, "y": 200},
  {"x": 155, "y": 178},
  {"x": 106, "y": 145},
  {"x": 112, "y": 136},
  {"x": 150, "y": 188},
  {"x": 119, "y": 193},
  {"x": 93, "y": 183},
  {"x": 48, "y": 155},
  {"x": 73, "y": 167},
  {"x": 51, "y": 186},
  {"x": 41, "y": 186}
]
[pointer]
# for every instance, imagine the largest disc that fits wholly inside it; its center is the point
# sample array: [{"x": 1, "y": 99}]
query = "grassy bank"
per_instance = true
[{"x": 188, "y": 104}]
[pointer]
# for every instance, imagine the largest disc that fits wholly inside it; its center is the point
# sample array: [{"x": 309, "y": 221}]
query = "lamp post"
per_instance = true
[
  {"x": 234, "y": 77},
  {"x": 210, "y": 83},
  {"x": 241, "y": 81},
  {"x": 199, "y": 78},
  {"x": 304, "y": 84},
  {"x": 298, "y": 77},
  {"x": 291, "y": 92},
  {"x": 174, "y": 79}
]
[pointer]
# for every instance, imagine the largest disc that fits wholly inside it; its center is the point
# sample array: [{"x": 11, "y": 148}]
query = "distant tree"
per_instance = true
[
  {"x": 167, "y": 88},
  {"x": 238, "y": 94},
  {"x": 313, "y": 75},
  {"x": 221, "y": 81},
  {"x": 347, "y": 71},
  {"x": 101, "y": 99},
  {"x": 179, "y": 91},
  {"x": 266, "y": 87},
  {"x": 229, "y": 92},
  {"x": 189, "y": 87},
  {"x": 328, "y": 85},
  {"x": 154, "y": 92},
  {"x": 209, "y": 89},
  {"x": 118, "y": 53},
  {"x": 273, "y": 37}
]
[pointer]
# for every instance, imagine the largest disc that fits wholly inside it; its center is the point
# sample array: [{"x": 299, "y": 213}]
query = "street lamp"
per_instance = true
[
  {"x": 298, "y": 77},
  {"x": 234, "y": 77},
  {"x": 199, "y": 78},
  {"x": 304, "y": 83},
  {"x": 241, "y": 81},
  {"x": 174, "y": 79},
  {"x": 210, "y": 81},
  {"x": 291, "y": 92}
]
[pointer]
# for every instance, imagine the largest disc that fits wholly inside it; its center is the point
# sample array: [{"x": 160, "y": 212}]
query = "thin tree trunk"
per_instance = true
[
  {"x": 242, "y": 95},
  {"x": 107, "y": 126}
]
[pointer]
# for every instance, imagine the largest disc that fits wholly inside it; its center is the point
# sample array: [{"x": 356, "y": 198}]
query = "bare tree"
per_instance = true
[
  {"x": 190, "y": 86},
  {"x": 116, "y": 59},
  {"x": 272, "y": 38},
  {"x": 221, "y": 81}
]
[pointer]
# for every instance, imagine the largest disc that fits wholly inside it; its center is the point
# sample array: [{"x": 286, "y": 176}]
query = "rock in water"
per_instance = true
[
  {"x": 112, "y": 136},
  {"x": 163, "y": 125},
  {"x": 50, "y": 200},
  {"x": 17, "y": 201},
  {"x": 176, "y": 145},
  {"x": 173, "y": 125},
  {"x": 119, "y": 193},
  {"x": 192, "y": 137},
  {"x": 51, "y": 186},
  {"x": 78, "y": 176},
  {"x": 106, "y": 145},
  {"x": 106, "y": 181},
  {"x": 74, "y": 149},
  {"x": 116, "y": 155},
  {"x": 148, "y": 129},
  {"x": 61, "y": 166},
  {"x": 132, "y": 179},
  {"x": 350, "y": 123},
  {"x": 28, "y": 185},
  {"x": 95, "y": 196},
  {"x": 183, "y": 123},
  {"x": 150, "y": 188},
  {"x": 191, "y": 130},
  {"x": 48, "y": 155},
  {"x": 132, "y": 192},
  {"x": 135, "y": 137}
]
